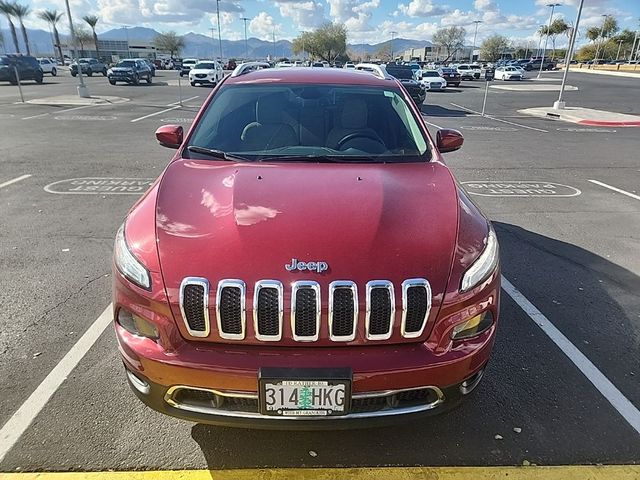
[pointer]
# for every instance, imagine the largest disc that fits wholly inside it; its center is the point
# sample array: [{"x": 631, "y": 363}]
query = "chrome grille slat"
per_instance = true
[
  {"x": 343, "y": 311},
  {"x": 230, "y": 309},
  {"x": 381, "y": 310},
  {"x": 194, "y": 306},
  {"x": 268, "y": 300},
  {"x": 416, "y": 306},
  {"x": 305, "y": 311}
]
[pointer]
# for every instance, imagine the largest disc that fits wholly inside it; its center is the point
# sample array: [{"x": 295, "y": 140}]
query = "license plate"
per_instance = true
[{"x": 293, "y": 392}]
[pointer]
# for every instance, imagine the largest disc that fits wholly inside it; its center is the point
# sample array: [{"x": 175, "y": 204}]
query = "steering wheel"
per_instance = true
[{"x": 351, "y": 136}]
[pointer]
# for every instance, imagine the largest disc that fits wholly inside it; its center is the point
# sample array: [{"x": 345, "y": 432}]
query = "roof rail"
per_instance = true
[
  {"x": 249, "y": 67},
  {"x": 378, "y": 70}
]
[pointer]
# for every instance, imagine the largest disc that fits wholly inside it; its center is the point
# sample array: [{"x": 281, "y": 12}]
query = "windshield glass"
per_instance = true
[
  {"x": 430, "y": 73},
  {"x": 311, "y": 122},
  {"x": 205, "y": 66},
  {"x": 4, "y": 61},
  {"x": 401, "y": 73},
  {"x": 126, "y": 63}
]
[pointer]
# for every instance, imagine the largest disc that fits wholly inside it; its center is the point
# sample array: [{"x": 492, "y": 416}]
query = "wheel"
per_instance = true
[
  {"x": 181, "y": 74},
  {"x": 193, "y": 84},
  {"x": 39, "y": 78},
  {"x": 73, "y": 74},
  {"x": 136, "y": 80},
  {"x": 90, "y": 73},
  {"x": 104, "y": 72},
  {"x": 149, "y": 79},
  {"x": 54, "y": 72},
  {"x": 112, "y": 82},
  {"x": 13, "y": 81}
]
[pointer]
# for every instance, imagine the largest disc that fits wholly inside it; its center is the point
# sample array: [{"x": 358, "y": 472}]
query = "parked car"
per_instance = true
[
  {"x": 151, "y": 66},
  {"x": 469, "y": 72},
  {"x": 451, "y": 75},
  {"x": 89, "y": 67},
  {"x": 284, "y": 64},
  {"x": 130, "y": 70},
  {"x": 508, "y": 73},
  {"x": 231, "y": 65},
  {"x": 27, "y": 67},
  {"x": 405, "y": 74},
  {"x": 186, "y": 65},
  {"x": 340, "y": 278},
  {"x": 431, "y": 80},
  {"x": 318, "y": 64},
  {"x": 206, "y": 73},
  {"x": 349, "y": 65},
  {"x": 159, "y": 64},
  {"x": 535, "y": 64},
  {"x": 48, "y": 66}
]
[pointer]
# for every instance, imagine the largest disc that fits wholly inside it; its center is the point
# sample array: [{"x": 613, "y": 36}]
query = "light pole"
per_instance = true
[
  {"x": 559, "y": 104},
  {"x": 213, "y": 44},
  {"x": 539, "y": 41},
  {"x": 219, "y": 31},
  {"x": 546, "y": 38},
  {"x": 620, "y": 42},
  {"x": 246, "y": 48},
  {"x": 633, "y": 48},
  {"x": 83, "y": 91},
  {"x": 302, "y": 32},
  {"x": 601, "y": 34},
  {"x": 393, "y": 37},
  {"x": 274, "y": 43},
  {"x": 477, "y": 22}
]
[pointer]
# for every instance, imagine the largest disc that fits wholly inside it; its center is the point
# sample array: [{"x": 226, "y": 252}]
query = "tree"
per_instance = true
[
  {"x": 169, "y": 42},
  {"x": 451, "y": 39},
  {"x": 384, "y": 53},
  {"x": 327, "y": 42},
  {"x": 20, "y": 12},
  {"x": 6, "y": 8},
  {"x": 493, "y": 47},
  {"x": 83, "y": 37},
  {"x": 92, "y": 20},
  {"x": 53, "y": 17},
  {"x": 558, "y": 27},
  {"x": 593, "y": 33}
]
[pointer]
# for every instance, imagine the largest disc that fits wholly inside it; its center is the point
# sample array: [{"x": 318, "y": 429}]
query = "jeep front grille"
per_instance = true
[{"x": 305, "y": 306}]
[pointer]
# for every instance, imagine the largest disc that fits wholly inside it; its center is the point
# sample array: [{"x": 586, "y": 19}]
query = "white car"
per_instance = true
[
  {"x": 48, "y": 66},
  {"x": 431, "y": 80},
  {"x": 187, "y": 65},
  {"x": 508, "y": 73},
  {"x": 521, "y": 70},
  {"x": 284, "y": 64},
  {"x": 349, "y": 65},
  {"x": 298, "y": 63},
  {"x": 206, "y": 73}
]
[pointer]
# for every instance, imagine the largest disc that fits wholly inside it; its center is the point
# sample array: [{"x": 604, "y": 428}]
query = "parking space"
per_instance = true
[{"x": 568, "y": 244}]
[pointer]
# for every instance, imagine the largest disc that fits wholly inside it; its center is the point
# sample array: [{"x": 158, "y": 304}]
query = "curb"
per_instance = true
[{"x": 604, "y": 123}]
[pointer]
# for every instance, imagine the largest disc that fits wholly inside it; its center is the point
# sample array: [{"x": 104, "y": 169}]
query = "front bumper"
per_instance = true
[
  {"x": 127, "y": 77},
  {"x": 208, "y": 79}
]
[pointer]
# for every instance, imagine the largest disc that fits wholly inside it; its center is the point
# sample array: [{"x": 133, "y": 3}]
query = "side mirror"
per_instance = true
[
  {"x": 449, "y": 140},
  {"x": 170, "y": 136}
]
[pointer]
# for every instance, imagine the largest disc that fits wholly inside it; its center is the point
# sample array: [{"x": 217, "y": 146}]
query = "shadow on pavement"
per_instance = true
[
  {"x": 440, "y": 111},
  {"x": 533, "y": 405}
]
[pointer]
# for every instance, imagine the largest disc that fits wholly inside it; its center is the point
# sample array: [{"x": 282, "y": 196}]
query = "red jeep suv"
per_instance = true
[{"x": 306, "y": 260}]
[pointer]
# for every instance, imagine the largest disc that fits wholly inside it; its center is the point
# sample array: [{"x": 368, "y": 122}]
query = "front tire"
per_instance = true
[
  {"x": 39, "y": 78},
  {"x": 149, "y": 79},
  {"x": 193, "y": 84},
  {"x": 136, "y": 80},
  {"x": 90, "y": 73},
  {"x": 112, "y": 82},
  {"x": 54, "y": 72},
  {"x": 104, "y": 72},
  {"x": 73, "y": 74}
]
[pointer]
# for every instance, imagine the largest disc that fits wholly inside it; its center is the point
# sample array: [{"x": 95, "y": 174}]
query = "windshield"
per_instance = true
[
  {"x": 4, "y": 61},
  {"x": 311, "y": 122},
  {"x": 401, "y": 73},
  {"x": 430, "y": 73},
  {"x": 126, "y": 63},
  {"x": 205, "y": 66}
]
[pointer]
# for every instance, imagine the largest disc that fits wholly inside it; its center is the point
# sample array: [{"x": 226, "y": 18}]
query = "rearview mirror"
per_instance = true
[
  {"x": 170, "y": 136},
  {"x": 449, "y": 140}
]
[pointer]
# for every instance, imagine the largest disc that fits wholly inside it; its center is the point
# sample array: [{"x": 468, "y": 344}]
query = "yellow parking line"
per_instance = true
[{"x": 575, "y": 472}]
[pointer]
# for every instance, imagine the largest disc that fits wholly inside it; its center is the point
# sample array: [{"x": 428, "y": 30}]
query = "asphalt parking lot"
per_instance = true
[{"x": 562, "y": 387}]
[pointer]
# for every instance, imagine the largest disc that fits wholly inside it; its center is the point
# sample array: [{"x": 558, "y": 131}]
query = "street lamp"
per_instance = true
[
  {"x": 559, "y": 104},
  {"x": 477, "y": 22},
  {"x": 601, "y": 34},
  {"x": 219, "y": 31},
  {"x": 83, "y": 91},
  {"x": 246, "y": 48},
  {"x": 393, "y": 36},
  {"x": 620, "y": 42},
  {"x": 546, "y": 38}
]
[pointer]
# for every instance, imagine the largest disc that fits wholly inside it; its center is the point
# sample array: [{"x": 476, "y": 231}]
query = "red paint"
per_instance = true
[{"x": 605, "y": 123}]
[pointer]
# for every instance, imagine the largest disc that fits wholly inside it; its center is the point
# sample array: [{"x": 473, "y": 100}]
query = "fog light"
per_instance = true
[
  {"x": 472, "y": 327},
  {"x": 137, "y": 325}
]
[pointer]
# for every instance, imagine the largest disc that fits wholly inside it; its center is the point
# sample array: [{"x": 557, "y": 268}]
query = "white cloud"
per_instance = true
[
  {"x": 305, "y": 14},
  {"x": 422, "y": 8},
  {"x": 263, "y": 26}
]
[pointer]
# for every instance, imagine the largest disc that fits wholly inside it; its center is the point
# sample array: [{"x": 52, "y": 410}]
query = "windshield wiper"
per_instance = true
[
  {"x": 211, "y": 152},
  {"x": 327, "y": 158}
]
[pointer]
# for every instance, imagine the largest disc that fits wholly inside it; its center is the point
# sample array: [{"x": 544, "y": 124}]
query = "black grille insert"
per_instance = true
[
  {"x": 193, "y": 306},
  {"x": 268, "y": 306},
  {"x": 306, "y": 312},
  {"x": 380, "y": 311},
  {"x": 343, "y": 303},
  {"x": 416, "y": 308},
  {"x": 230, "y": 310}
]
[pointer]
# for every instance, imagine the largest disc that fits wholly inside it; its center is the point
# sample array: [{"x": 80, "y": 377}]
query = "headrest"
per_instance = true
[
  {"x": 269, "y": 109},
  {"x": 354, "y": 114}
]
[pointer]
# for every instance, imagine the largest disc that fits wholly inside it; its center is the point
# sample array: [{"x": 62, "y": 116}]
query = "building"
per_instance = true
[
  {"x": 112, "y": 50},
  {"x": 435, "y": 53}
]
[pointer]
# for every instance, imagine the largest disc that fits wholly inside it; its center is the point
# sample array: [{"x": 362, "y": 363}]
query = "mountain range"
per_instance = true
[{"x": 202, "y": 46}]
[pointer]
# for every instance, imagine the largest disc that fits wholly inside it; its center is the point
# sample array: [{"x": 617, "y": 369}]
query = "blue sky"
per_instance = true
[{"x": 370, "y": 21}]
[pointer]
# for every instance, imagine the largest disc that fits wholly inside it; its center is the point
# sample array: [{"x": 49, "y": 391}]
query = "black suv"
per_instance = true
[
  {"x": 535, "y": 64},
  {"x": 27, "y": 66},
  {"x": 89, "y": 67},
  {"x": 130, "y": 70},
  {"x": 405, "y": 74}
]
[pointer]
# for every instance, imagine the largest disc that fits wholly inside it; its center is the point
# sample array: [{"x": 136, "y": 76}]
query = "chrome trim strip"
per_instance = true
[
  {"x": 234, "y": 283},
  {"x": 295, "y": 286},
  {"x": 203, "y": 282},
  {"x": 414, "y": 282},
  {"x": 259, "y": 286},
  {"x": 168, "y": 398},
  {"x": 333, "y": 286},
  {"x": 389, "y": 286},
  {"x": 139, "y": 384},
  {"x": 223, "y": 393},
  {"x": 466, "y": 387}
]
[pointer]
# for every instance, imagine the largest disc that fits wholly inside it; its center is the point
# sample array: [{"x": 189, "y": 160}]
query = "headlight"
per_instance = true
[
  {"x": 484, "y": 265},
  {"x": 109, "y": 72},
  {"x": 129, "y": 265}
]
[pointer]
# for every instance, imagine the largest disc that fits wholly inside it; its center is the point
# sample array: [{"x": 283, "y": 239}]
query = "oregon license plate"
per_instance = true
[{"x": 292, "y": 392}]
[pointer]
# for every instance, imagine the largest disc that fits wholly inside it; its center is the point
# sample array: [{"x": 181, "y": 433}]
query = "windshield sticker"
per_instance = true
[{"x": 388, "y": 94}]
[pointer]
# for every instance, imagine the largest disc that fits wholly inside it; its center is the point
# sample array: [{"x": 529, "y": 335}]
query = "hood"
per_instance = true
[{"x": 247, "y": 221}]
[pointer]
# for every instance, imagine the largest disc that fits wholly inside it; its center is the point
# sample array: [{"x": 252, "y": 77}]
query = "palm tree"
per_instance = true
[
  {"x": 6, "y": 8},
  {"x": 53, "y": 17},
  {"x": 21, "y": 12},
  {"x": 92, "y": 20}
]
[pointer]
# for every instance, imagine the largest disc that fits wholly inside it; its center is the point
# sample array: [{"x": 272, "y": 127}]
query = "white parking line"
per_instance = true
[
  {"x": 432, "y": 124},
  {"x": 15, "y": 180},
  {"x": 175, "y": 106},
  {"x": 608, "y": 390},
  {"x": 183, "y": 101},
  {"x": 500, "y": 119},
  {"x": 29, "y": 410},
  {"x": 615, "y": 189},
  {"x": 59, "y": 111}
]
